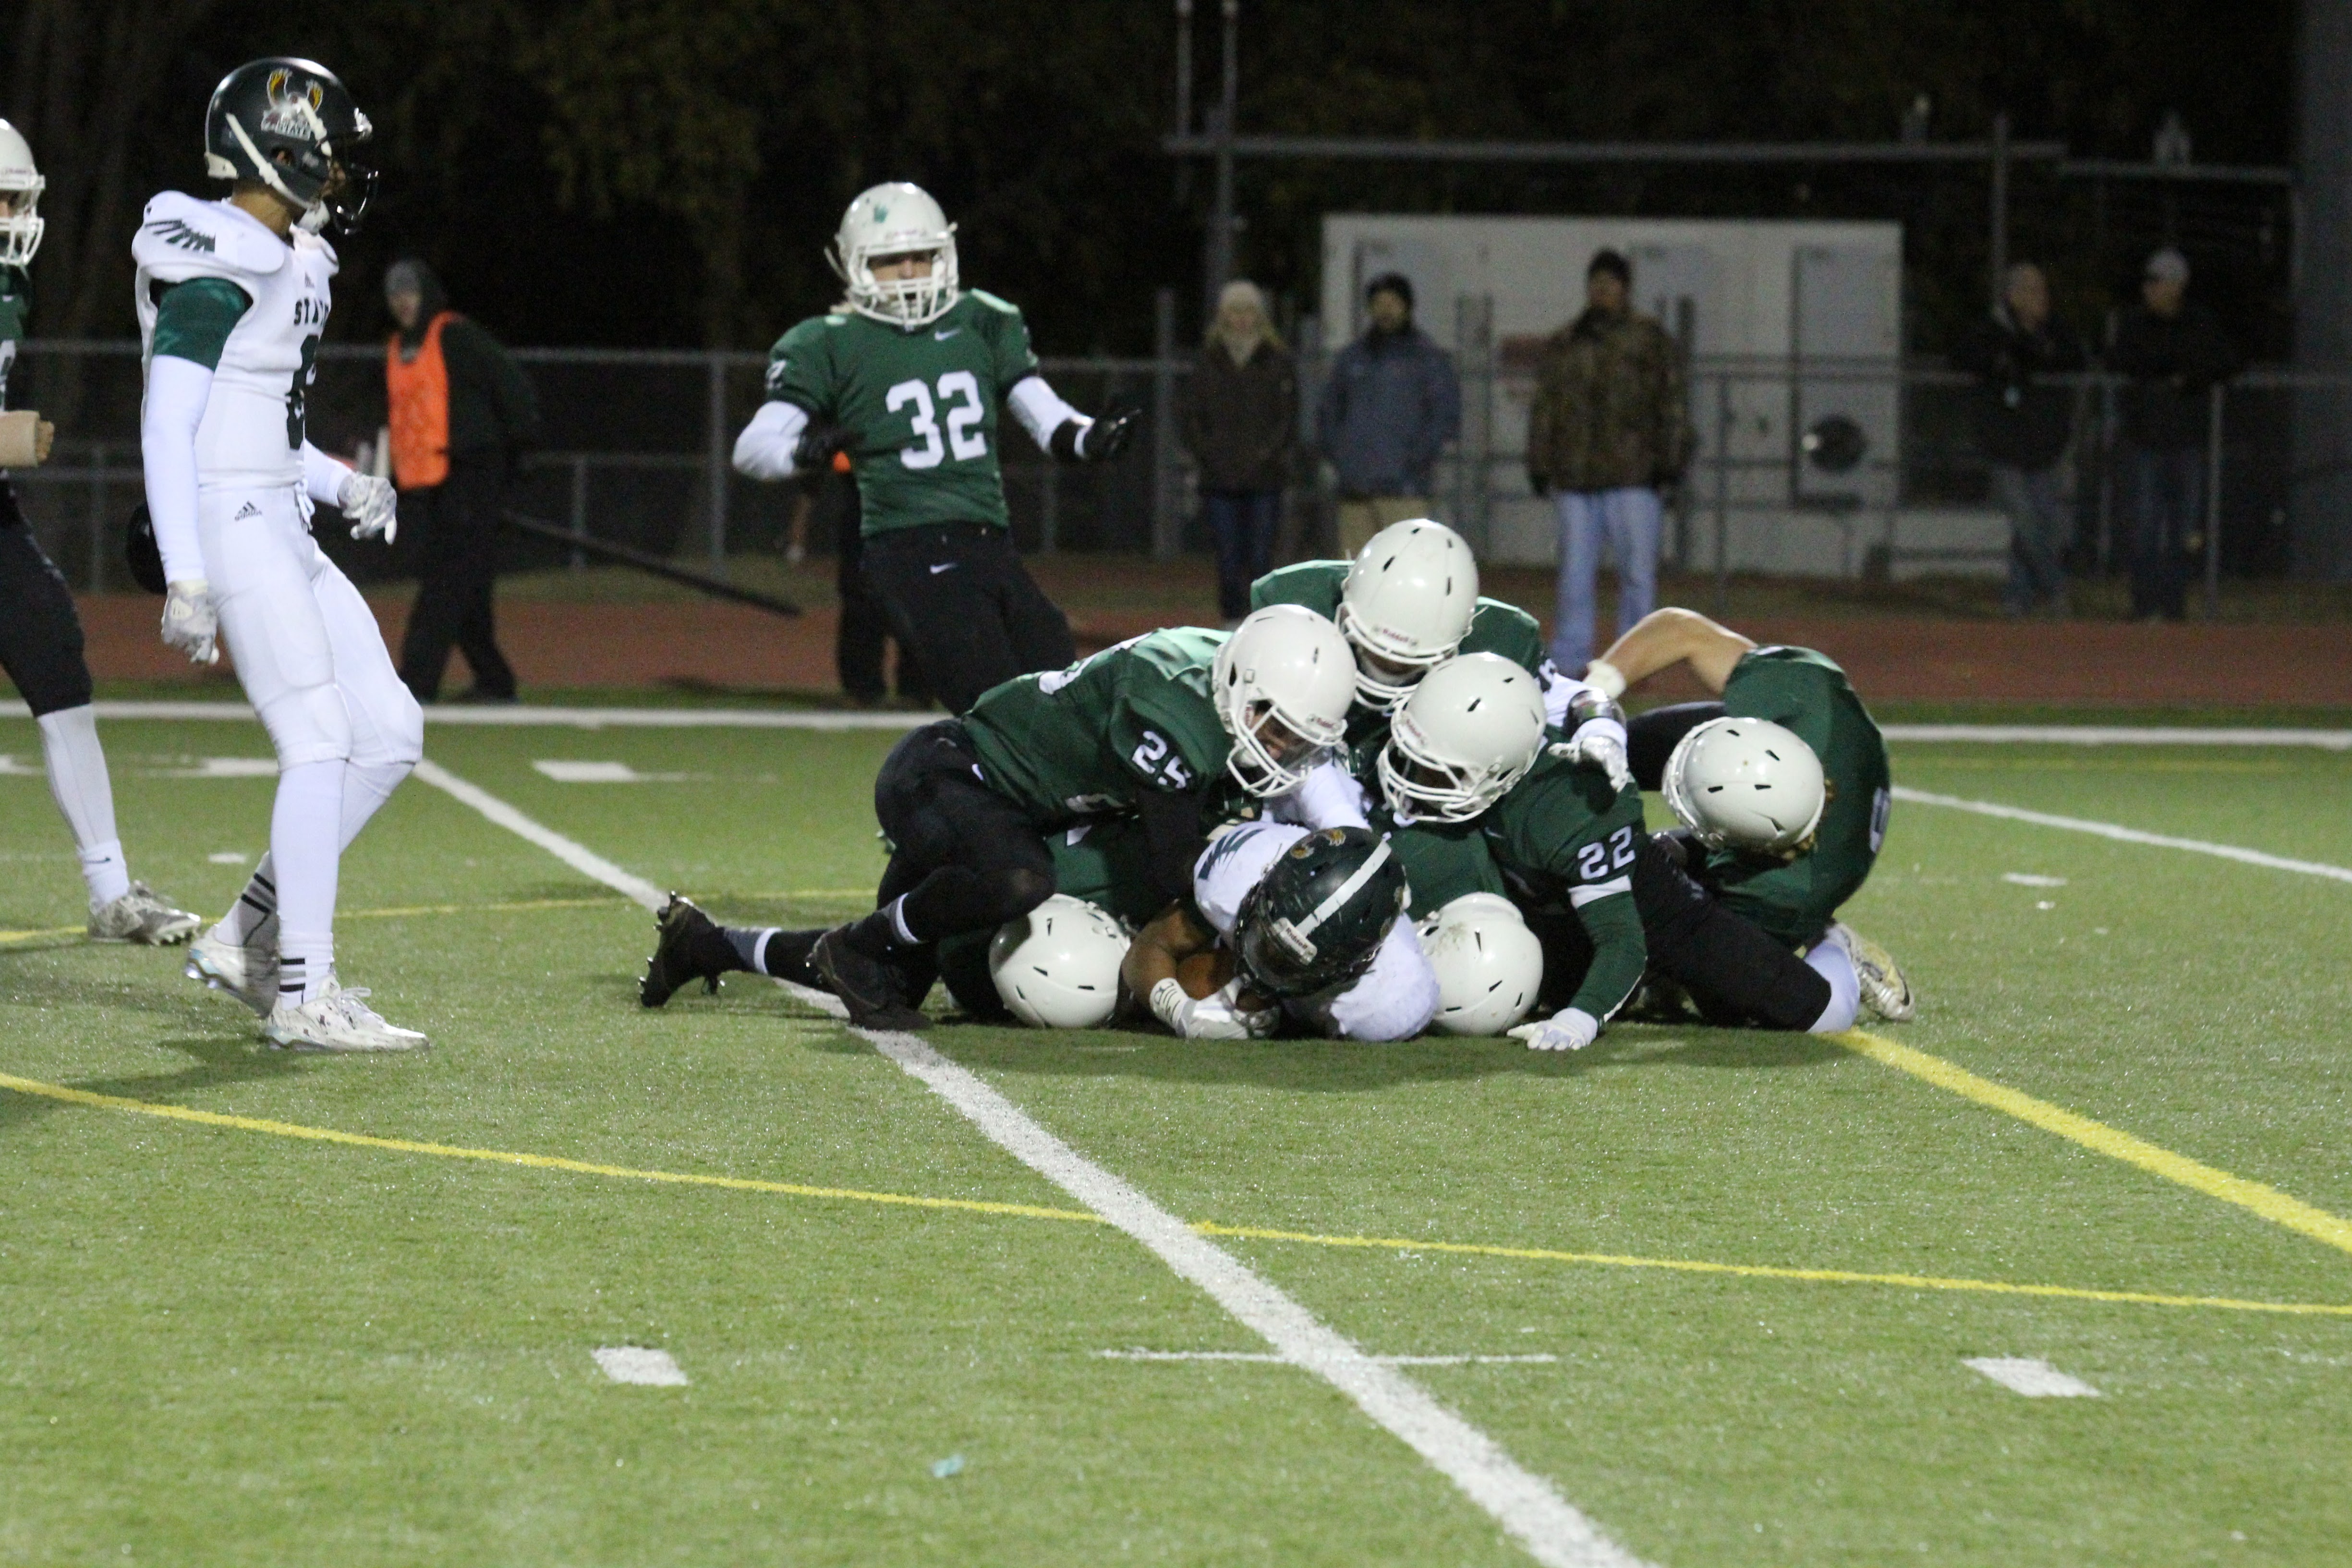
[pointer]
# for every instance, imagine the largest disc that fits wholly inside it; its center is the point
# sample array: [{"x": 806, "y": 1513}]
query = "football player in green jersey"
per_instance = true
[
  {"x": 1782, "y": 785},
  {"x": 40, "y": 633},
  {"x": 1409, "y": 602},
  {"x": 1154, "y": 729},
  {"x": 908, "y": 378}
]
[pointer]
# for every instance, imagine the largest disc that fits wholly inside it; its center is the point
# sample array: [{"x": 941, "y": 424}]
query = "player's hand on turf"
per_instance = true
[
  {"x": 1596, "y": 746},
  {"x": 1108, "y": 436},
  {"x": 813, "y": 453},
  {"x": 25, "y": 439},
  {"x": 1570, "y": 1029},
  {"x": 191, "y": 621},
  {"x": 372, "y": 506},
  {"x": 1213, "y": 1017}
]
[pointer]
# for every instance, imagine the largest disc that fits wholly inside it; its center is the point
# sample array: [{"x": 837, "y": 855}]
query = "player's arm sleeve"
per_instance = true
[
  {"x": 1619, "y": 952},
  {"x": 192, "y": 322},
  {"x": 1397, "y": 996},
  {"x": 1042, "y": 411},
  {"x": 764, "y": 449},
  {"x": 1328, "y": 796},
  {"x": 1172, "y": 837},
  {"x": 322, "y": 477}
]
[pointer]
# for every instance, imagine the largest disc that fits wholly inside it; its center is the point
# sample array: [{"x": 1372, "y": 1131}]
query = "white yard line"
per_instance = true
[
  {"x": 2116, "y": 735},
  {"x": 1266, "y": 1356},
  {"x": 560, "y": 717},
  {"x": 639, "y": 1363},
  {"x": 1549, "y": 1528},
  {"x": 2032, "y": 1378},
  {"x": 2126, "y": 835}
]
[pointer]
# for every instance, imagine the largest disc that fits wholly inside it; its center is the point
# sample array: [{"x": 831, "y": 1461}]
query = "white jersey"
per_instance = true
[
  {"x": 254, "y": 422},
  {"x": 1393, "y": 1000}
]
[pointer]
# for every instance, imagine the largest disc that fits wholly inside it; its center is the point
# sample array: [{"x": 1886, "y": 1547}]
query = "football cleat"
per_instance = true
[
  {"x": 1883, "y": 990},
  {"x": 871, "y": 990},
  {"x": 338, "y": 1021},
  {"x": 142, "y": 917},
  {"x": 687, "y": 948},
  {"x": 247, "y": 972}
]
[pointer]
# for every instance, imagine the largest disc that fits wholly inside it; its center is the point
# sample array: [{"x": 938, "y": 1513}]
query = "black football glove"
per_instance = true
[
  {"x": 1098, "y": 442},
  {"x": 813, "y": 453}
]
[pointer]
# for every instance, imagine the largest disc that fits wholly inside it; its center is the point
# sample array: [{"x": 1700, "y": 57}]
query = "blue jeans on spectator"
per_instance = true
[
  {"x": 1241, "y": 522},
  {"x": 2168, "y": 511},
  {"x": 1632, "y": 518},
  {"x": 2037, "y": 532}
]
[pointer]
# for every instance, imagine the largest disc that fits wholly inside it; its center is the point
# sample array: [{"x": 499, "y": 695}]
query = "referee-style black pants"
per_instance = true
[
  {"x": 958, "y": 595},
  {"x": 458, "y": 576},
  {"x": 40, "y": 635}
]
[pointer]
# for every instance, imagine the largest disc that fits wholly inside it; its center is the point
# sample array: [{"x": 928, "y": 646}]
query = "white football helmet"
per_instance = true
[
  {"x": 1283, "y": 684},
  {"x": 1057, "y": 966},
  {"x": 1406, "y": 606},
  {"x": 21, "y": 185},
  {"x": 1489, "y": 965},
  {"x": 1745, "y": 784},
  {"x": 897, "y": 219},
  {"x": 1469, "y": 732}
]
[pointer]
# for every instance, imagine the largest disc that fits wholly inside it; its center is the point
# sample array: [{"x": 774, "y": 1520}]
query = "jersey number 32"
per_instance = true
[{"x": 959, "y": 396}]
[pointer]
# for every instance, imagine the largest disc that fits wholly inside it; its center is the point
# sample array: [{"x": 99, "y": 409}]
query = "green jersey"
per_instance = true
[
  {"x": 1564, "y": 836},
  {"x": 1494, "y": 627},
  {"x": 921, "y": 405},
  {"x": 1087, "y": 741},
  {"x": 1794, "y": 899},
  {"x": 15, "y": 304},
  {"x": 1442, "y": 860}
]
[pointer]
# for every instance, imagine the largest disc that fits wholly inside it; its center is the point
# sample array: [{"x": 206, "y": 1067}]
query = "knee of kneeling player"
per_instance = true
[
  {"x": 1022, "y": 890},
  {"x": 308, "y": 725}
]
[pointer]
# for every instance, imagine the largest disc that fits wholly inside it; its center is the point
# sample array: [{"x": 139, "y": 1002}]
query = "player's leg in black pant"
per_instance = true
[
  {"x": 1651, "y": 738},
  {"x": 1039, "y": 631},
  {"x": 40, "y": 635},
  {"x": 1733, "y": 971},
  {"x": 944, "y": 608},
  {"x": 865, "y": 626}
]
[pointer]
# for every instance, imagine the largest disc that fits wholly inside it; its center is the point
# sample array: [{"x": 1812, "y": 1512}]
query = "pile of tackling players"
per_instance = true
[{"x": 1372, "y": 809}]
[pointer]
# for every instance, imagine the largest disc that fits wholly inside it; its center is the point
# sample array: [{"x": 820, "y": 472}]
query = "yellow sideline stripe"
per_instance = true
[
  {"x": 1204, "y": 1227},
  {"x": 504, "y": 1157},
  {"x": 1767, "y": 1271},
  {"x": 2253, "y": 1196}
]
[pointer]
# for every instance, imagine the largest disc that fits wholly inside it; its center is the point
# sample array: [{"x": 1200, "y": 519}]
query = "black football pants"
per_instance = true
[
  {"x": 1731, "y": 970},
  {"x": 958, "y": 595},
  {"x": 458, "y": 574},
  {"x": 40, "y": 635},
  {"x": 865, "y": 626},
  {"x": 963, "y": 856}
]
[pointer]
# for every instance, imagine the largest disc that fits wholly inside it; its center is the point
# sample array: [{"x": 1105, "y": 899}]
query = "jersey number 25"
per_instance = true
[{"x": 959, "y": 394}]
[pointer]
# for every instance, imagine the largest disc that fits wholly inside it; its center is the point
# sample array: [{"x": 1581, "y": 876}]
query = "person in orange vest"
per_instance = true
[{"x": 462, "y": 413}]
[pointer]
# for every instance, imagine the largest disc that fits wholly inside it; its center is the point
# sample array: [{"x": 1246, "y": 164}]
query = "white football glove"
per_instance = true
[
  {"x": 371, "y": 505},
  {"x": 1210, "y": 1017},
  {"x": 191, "y": 621},
  {"x": 1599, "y": 744},
  {"x": 1570, "y": 1029}
]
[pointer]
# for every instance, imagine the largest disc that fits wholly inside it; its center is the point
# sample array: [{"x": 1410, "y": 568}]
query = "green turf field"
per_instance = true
[{"x": 222, "y": 1342}]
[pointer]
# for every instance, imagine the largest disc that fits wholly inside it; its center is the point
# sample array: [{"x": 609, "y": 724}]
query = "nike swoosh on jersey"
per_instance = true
[
  {"x": 942, "y": 336},
  {"x": 944, "y": 566}
]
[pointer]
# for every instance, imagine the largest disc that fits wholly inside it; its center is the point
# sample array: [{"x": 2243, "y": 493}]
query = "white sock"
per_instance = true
[
  {"x": 1834, "y": 961},
  {"x": 366, "y": 787},
  {"x": 85, "y": 794},
  {"x": 305, "y": 850}
]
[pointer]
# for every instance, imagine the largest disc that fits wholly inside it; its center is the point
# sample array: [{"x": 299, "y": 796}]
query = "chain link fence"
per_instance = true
[{"x": 1825, "y": 468}]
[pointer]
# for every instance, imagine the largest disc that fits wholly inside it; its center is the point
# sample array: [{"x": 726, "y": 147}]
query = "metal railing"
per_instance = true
[{"x": 640, "y": 441}]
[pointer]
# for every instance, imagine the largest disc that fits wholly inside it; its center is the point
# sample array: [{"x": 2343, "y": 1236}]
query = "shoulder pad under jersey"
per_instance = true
[
  {"x": 992, "y": 303},
  {"x": 318, "y": 242},
  {"x": 180, "y": 238}
]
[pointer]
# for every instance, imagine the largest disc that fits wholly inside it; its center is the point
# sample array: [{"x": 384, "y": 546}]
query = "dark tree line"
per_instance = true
[{"x": 666, "y": 172}]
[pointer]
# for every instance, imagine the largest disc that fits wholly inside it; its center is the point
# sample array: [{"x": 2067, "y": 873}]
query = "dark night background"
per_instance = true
[{"x": 665, "y": 171}]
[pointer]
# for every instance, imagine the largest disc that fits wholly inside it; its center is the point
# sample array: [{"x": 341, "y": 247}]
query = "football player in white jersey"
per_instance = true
[{"x": 233, "y": 299}]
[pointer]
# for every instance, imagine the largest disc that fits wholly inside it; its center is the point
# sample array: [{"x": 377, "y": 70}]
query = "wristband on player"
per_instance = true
[
  {"x": 1168, "y": 1003},
  {"x": 1607, "y": 677}
]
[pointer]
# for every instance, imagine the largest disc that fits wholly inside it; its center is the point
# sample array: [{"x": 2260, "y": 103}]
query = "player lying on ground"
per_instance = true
[
  {"x": 1172, "y": 729},
  {"x": 1409, "y": 602},
  {"x": 40, "y": 635},
  {"x": 907, "y": 380},
  {"x": 1782, "y": 786},
  {"x": 233, "y": 297}
]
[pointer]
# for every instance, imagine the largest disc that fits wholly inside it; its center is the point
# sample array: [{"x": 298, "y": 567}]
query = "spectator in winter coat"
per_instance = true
[
  {"x": 1389, "y": 407},
  {"x": 2174, "y": 350},
  {"x": 1610, "y": 427},
  {"x": 2024, "y": 424},
  {"x": 462, "y": 413},
  {"x": 1240, "y": 422}
]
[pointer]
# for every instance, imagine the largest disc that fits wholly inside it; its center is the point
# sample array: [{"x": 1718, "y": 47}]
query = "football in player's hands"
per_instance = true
[
  {"x": 1204, "y": 974},
  {"x": 813, "y": 453}
]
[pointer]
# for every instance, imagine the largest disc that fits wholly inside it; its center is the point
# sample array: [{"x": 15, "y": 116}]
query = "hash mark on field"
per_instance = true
[
  {"x": 221, "y": 768},
  {"x": 565, "y": 770},
  {"x": 641, "y": 1363},
  {"x": 1286, "y": 1360},
  {"x": 2030, "y": 1376},
  {"x": 2032, "y": 880}
]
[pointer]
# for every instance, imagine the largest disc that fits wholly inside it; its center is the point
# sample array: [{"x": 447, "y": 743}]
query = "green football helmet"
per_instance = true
[
  {"x": 1316, "y": 917},
  {"x": 293, "y": 125}
]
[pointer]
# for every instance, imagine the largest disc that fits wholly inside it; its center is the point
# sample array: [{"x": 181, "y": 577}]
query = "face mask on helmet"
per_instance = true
[
  {"x": 885, "y": 236},
  {"x": 1271, "y": 757},
  {"x": 291, "y": 126},
  {"x": 20, "y": 199},
  {"x": 1282, "y": 684},
  {"x": 1470, "y": 732},
  {"x": 1316, "y": 919},
  {"x": 1405, "y": 606}
]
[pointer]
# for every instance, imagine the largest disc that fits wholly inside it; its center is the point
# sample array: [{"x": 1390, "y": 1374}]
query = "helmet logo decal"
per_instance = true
[{"x": 293, "y": 107}]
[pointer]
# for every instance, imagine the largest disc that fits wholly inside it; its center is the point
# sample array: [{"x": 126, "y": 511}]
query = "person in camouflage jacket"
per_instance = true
[{"x": 1609, "y": 429}]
